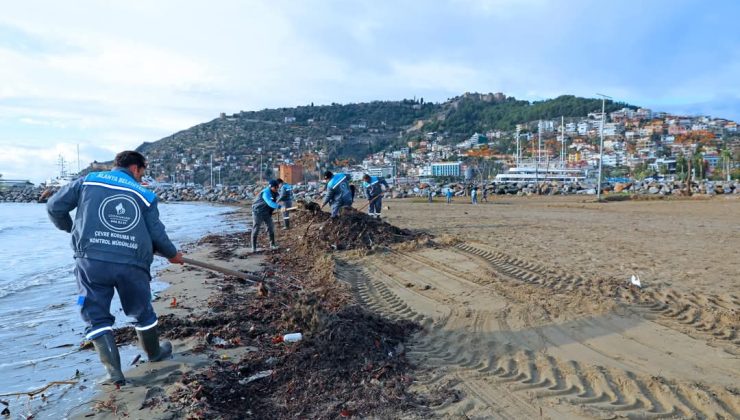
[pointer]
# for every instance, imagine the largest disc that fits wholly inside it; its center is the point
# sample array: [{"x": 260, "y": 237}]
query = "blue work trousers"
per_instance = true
[{"x": 96, "y": 281}]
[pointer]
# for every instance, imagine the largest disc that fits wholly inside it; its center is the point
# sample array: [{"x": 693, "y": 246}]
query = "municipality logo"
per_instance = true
[{"x": 119, "y": 213}]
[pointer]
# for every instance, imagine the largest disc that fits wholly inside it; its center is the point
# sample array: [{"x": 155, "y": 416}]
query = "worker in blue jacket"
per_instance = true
[
  {"x": 338, "y": 192},
  {"x": 285, "y": 195},
  {"x": 262, "y": 207},
  {"x": 115, "y": 233},
  {"x": 374, "y": 187}
]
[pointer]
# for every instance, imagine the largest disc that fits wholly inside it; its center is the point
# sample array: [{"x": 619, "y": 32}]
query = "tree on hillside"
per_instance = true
[
  {"x": 725, "y": 159},
  {"x": 698, "y": 164},
  {"x": 682, "y": 166},
  {"x": 702, "y": 137}
]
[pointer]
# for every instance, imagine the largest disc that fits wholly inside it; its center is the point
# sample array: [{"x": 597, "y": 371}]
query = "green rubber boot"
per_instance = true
[
  {"x": 149, "y": 341},
  {"x": 106, "y": 347}
]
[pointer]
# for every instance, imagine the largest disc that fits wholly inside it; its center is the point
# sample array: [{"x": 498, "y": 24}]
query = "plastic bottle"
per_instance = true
[
  {"x": 292, "y": 338},
  {"x": 288, "y": 338}
]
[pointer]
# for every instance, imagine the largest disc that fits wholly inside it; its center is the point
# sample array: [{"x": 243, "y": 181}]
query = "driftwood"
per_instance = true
[{"x": 39, "y": 390}]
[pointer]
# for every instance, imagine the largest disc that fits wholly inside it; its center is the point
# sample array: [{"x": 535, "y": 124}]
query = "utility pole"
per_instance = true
[
  {"x": 601, "y": 145},
  {"x": 261, "y": 169},
  {"x": 537, "y": 164},
  {"x": 211, "y": 170},
  {"x": 517, "y": 146},
  {"x": 562, "y": 142}
]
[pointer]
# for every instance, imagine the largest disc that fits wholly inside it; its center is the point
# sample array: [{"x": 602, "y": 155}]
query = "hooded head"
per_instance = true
[{"x": 328, "y": 175}]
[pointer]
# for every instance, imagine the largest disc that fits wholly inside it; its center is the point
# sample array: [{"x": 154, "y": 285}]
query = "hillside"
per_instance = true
[{"x": 246, "y": 143}]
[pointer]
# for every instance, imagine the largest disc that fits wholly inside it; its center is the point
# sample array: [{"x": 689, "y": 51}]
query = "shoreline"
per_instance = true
[
  {"x": 191, "y": 288},
  {"x": 232, "y": 364},
  {"x": 43, "y": 299}
]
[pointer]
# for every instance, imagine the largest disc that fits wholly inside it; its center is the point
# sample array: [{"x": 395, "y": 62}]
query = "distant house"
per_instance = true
[{"x": 292, "y": 174}]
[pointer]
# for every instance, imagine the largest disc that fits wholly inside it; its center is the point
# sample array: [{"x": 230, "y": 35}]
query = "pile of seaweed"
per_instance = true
[
  {"x": 350, "y": 230},
  {"x": 350, "y": 362}
]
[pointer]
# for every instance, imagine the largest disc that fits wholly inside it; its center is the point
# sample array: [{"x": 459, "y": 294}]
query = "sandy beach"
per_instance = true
[
  {"x": 530, "y": 313},
  {"x": 524, "y": 306}
]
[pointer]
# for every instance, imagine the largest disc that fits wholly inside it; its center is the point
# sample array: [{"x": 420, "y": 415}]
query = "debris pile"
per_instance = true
[
  {"x": 350, "y": 362},
  {"x": 354, "y": 365},
  {"x": 352, "y": 230}
]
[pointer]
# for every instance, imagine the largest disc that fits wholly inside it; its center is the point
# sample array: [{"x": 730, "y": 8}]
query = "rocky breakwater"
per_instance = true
[
  {"x": 197, "y": 193},
  {"x": 22, "y": 195},
  {"x": 646, "y": 187},
  {"x": 226, "y": 194},
  {"x": 676, "y": 188}
]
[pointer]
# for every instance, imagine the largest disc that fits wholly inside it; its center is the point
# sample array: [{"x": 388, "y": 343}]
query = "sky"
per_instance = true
[{"x": 107, "y": 75}]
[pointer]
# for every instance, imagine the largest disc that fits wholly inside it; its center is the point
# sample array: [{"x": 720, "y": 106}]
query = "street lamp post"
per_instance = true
[{"x": 601, "y": 143}]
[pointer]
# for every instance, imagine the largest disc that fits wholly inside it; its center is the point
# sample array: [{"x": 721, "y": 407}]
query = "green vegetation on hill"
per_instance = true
[
  {"x": 469, "y": 115},
  {"x": 249, "y": 144}
]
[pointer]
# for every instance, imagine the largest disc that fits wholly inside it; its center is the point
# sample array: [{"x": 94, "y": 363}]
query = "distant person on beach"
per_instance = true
[
  {"x": 115, "y": 233},
  {"x": 449, "y": 195},
  {"x": 485, "y": 194},
  {"x": 374, "y": 187},
  {"x": 285, "y": 195},
  {"x": 262, "y": 207},
  {"x": 430, "y": 194},
  {"x": 338, "y": 192},
  {"x": 474, "y": 195}
]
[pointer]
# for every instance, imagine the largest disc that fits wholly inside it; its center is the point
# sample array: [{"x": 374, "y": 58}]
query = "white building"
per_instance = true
[
  {"x": 612, "y": 129},
  {"x": 445, "y": 168}
]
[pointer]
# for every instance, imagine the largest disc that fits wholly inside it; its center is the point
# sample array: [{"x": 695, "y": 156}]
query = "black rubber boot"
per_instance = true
[
  {"x": 149, "y": 341},
  {"x": 106, "y": 347},
  {"x": 254, "y": 243}
]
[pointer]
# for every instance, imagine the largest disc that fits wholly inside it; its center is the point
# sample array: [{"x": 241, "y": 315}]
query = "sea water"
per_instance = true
[{"x": 40, "y": 325}]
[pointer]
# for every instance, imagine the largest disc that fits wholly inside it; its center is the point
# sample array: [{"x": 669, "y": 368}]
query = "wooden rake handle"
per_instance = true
[
  {"x": 368, "y": 203},
  {"x": 223, "y": 270}
]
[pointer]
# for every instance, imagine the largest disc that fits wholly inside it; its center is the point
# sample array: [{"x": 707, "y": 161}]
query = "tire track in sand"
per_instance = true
[
  {"x": 468, "y": 345},
  {"x": 710, "y": 317}
]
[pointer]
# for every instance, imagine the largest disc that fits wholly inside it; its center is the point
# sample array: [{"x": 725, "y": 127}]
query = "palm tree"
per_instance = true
[
  {"x": 726, "y": 157},
  {"x": 698, "y": 163}
]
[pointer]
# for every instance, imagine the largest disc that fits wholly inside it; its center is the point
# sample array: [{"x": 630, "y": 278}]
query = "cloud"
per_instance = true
[
  {"x": 38, "y": 163},
  {"x": 117, "y": 73}
]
